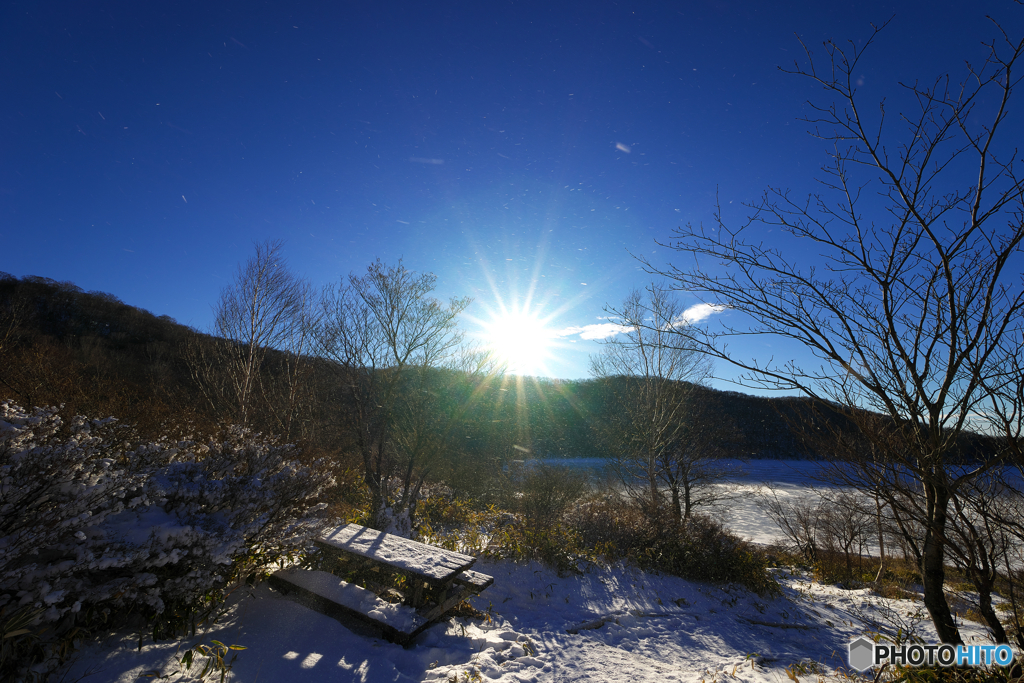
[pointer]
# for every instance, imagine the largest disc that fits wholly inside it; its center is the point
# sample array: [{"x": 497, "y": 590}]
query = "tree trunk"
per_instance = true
[
  {"x": 881, "y": 540},
  {"x": 933, "y": 569},
  {"x": 984, "y": 585}
]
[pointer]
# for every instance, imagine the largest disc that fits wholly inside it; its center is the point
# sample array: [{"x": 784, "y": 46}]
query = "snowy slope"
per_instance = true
[
  {"x": 651, "y": 627},
  {"x": 627, "y": 625}
]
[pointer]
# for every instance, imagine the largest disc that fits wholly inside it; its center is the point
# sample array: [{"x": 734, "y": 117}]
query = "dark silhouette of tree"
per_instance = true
[
  {"x": 662, "y": 444},
  {"x": 388, "y": 337},
  {"x": 912, "y": 299}
]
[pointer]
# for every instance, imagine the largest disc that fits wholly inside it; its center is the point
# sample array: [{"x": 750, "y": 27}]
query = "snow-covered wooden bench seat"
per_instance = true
[
  {"x": 328, "y": 594},
  {"x": 436, "y": 580},
  {"x": 474, "y": 579}
]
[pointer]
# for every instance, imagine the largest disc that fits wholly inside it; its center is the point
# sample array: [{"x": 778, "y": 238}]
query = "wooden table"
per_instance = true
[{"x": 436, "y": 580}]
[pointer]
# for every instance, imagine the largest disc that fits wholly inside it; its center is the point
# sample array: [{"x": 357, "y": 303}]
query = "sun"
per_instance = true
[{"x": 520, "y": 340}]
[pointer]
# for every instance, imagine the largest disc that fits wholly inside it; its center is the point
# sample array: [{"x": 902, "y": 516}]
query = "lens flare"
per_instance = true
[{"x": 520, "y": 340}]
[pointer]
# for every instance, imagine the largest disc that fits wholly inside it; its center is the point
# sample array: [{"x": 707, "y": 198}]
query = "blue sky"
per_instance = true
[{"x": 521, "y": 151}]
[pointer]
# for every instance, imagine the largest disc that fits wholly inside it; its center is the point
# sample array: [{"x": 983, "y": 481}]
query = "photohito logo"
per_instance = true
[{"x": 865, "y": 653}]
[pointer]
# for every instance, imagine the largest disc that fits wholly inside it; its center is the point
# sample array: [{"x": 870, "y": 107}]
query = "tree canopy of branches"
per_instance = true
[
  {"x": 911, "y": 303},
  {"x": 265, "y": 307},
  {"x": 662, "y": 441},
  {"x": 387, "y": 335}
]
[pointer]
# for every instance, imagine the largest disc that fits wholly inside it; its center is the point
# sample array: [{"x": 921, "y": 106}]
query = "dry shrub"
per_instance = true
[
  {"x": 558, "y": 546},
  {"x": 443, "y": 509},
  {"x": 950, "y": 674},
  {"x": 543, "y": 493},
  {"x": 699, "y": 548},
  {"x": 609, "y": 524},
  {"x": 350, "y": 497}
]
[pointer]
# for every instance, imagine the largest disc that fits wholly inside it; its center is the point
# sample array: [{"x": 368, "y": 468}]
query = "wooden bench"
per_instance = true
[{"x": 436, "y": 581}]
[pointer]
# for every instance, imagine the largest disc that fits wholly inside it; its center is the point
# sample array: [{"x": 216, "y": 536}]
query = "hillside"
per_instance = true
[{"x": 98, "y": 355}]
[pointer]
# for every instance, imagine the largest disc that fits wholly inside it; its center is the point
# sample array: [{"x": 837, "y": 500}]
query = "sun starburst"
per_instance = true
[{"x": 520, "y": 340}]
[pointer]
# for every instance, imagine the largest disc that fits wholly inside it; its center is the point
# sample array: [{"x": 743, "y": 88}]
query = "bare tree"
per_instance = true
[
  {"x": 389, "y": 337},
  {"x": 911, "y": 301},
  {"x": 799, "y": 520},
  {"x": 286, "y": 387},
  {"x": 663, "y": 442},
  {"x": 265, "y": 307}
]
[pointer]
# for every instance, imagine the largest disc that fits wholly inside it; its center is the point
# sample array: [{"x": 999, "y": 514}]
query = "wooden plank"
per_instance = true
[
  {"x": 330, "y": 595},
  {"x": 476, "y": 580},
  {"x": 435, "y": 565},
  {"x": 471, "y": 583}
]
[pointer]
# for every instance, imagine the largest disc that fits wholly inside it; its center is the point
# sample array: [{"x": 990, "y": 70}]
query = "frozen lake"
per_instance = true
[
  {"x": 738, "y": 510},
  {"x": 792, "y": 480}
]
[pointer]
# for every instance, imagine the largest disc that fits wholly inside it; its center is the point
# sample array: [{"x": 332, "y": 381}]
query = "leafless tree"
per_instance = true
[
  {"x": 797, "y": 519},
  {"x": 13, "y": 312},
  {"x": 844, "y": 525},
  {"x": 285, "y": 388},
  {"x": 912, "y": 299},
  {"x": 204, "y": 356},
  {"x": 389, "y": 337},
  {"x": 266, "y": 307},
  {"x": 664, "y": 443}
]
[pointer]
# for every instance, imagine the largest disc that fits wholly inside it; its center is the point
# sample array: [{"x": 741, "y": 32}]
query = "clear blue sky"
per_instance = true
[{"x": 519, "y": 150}]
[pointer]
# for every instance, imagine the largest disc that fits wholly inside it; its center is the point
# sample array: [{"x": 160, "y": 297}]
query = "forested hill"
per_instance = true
[
  {"x": 99, "y": 356},
  {"x": 566, "y": 418}
]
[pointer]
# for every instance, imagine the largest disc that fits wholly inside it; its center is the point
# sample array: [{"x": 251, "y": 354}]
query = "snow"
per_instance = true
[
  {"x": 329, "y": 586},
  {"x": 434, "y": 564},
  {"x": 608, "y": 624},
  {"x": 791, "y": 480},
  {"x": 652, "y": 627}
]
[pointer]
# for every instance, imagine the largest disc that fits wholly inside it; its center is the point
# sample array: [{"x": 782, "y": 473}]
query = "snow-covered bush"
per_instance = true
[
  {"x": 91, "y": 524},
  {"x": 56, "y": 491}
]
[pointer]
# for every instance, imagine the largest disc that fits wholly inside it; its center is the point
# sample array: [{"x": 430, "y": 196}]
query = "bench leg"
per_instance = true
[
  {"x": 444, "y": 605},
  {"x": 416, "y": 599}
]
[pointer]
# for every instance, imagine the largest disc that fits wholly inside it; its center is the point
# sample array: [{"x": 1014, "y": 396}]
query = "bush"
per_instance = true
[
  {"x": 952, "y": 674},
  {"x": 543, "y": 493},
  {"x": 701, "y": 549},
  {"x": 556, "y": 546},
  {"x": 94, "y": 527},
  {"x": 609, "y": 524},
  {"x": 698, "y": 549}
]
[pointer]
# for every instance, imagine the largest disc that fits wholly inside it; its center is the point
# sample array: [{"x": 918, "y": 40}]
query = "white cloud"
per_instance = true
[
  {"x": 692, "y": 315},
  {"x": 701, "y": 312},
  {"x": 598, "y": 331}
]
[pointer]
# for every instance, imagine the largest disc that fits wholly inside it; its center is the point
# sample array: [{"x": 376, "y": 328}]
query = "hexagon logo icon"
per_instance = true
[{"x": 861, "y": 654}]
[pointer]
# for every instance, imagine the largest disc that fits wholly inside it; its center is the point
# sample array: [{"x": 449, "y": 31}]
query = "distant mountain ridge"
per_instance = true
[{"x": 99, "y": 356}]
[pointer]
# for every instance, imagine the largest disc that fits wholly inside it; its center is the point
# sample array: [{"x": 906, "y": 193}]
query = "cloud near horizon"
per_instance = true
[
  {"x": 596, "y": 331},
  {"x": 692, "y": 315}
]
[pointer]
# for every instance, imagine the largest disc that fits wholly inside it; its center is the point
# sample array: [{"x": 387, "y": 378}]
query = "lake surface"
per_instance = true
[{"x": 792, "y": 480}]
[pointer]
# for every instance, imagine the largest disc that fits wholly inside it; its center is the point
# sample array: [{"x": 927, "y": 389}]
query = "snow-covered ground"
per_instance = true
[
  {"x": 608, "y": 624},
  {"x": 542, "y": 627}
]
